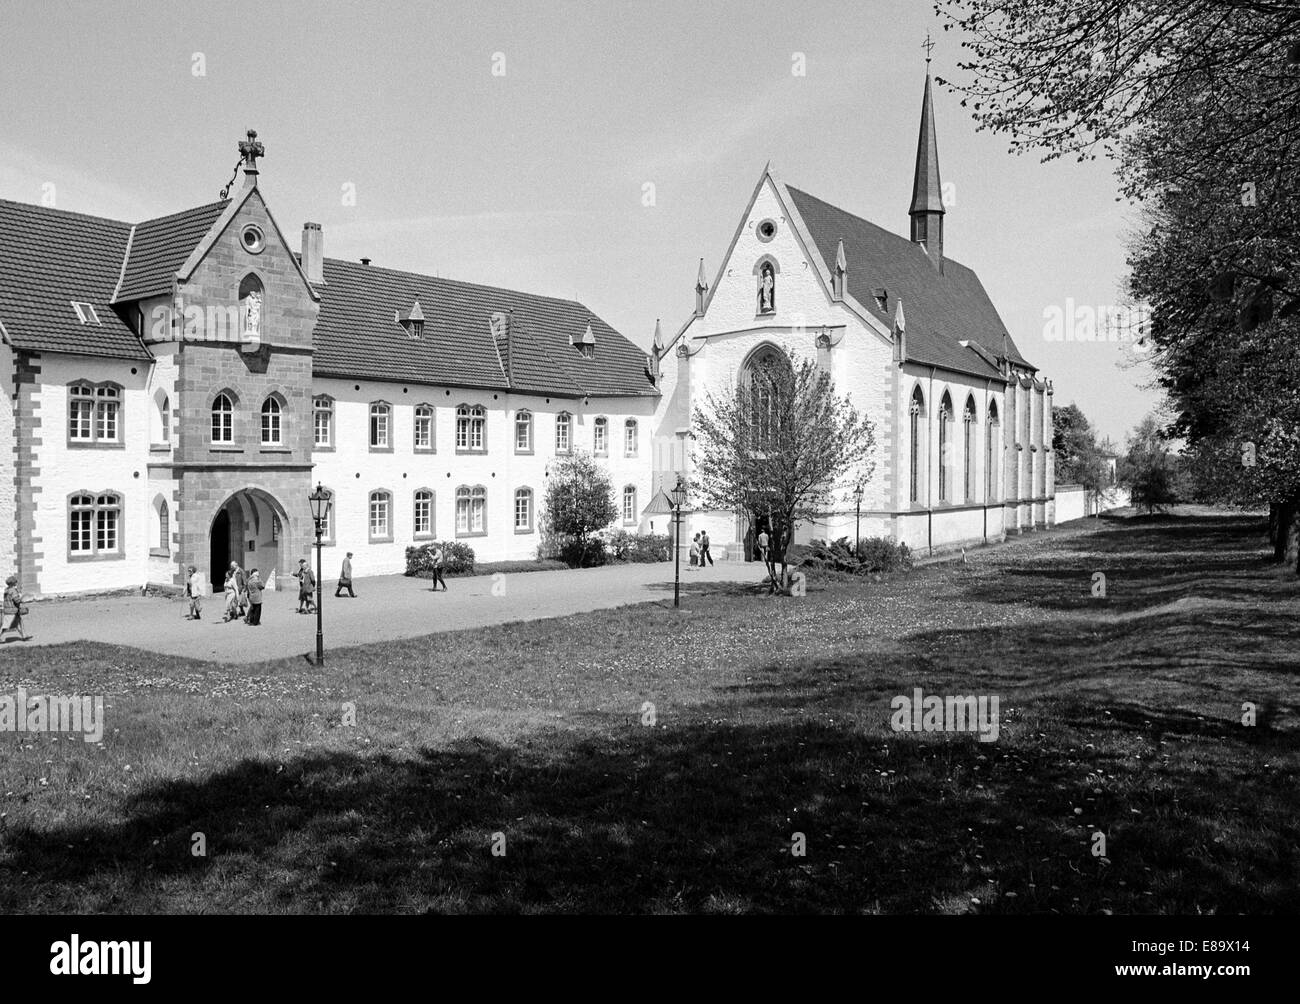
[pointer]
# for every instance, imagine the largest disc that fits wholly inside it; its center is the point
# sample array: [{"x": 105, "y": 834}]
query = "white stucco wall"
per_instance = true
[
  {"x": 67, "y": 469},
  {"x": 8, "y": 493},
  {"x": 500, "y": 470}
]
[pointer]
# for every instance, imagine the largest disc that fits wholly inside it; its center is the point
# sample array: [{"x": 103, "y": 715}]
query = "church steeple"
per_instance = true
[{"x": 927, "y": 191}]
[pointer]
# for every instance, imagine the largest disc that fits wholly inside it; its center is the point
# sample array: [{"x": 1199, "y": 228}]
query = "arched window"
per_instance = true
[
  {"x": 523, "y": 510},
  {"x": 423, "y": 513},
  {"x": 272, "y": 433},
  {"x": 380, "y": 426},
  {"x": 945, "y": 447},
  {"x": 94, "y": 525},
  {"x": 993, "y": 458},
  {"x": 629, "y": 504},
  {"x": 471, "y": 511},
  {"x": 523, "y": 432},
  {"x": 563, "y": 432},
  {"x": 223, "y": 418},
  {"x": 164, "y": 527},
  {"x": 381, "y": 517},
  {"x": 916, "y": 442},
  {"x": 81, "y": 413},
  {"x": 968, "y": 448},
  {"x": 471, "y": 429},
  {"x": 322, "y": 423},
  {"x": 767, "y": 380},
  {"x": 600, "y": 437},
  {"x": 108, "y": 403},
  {"x": 424, "y": 428},
  {"x": 161, "y": 427},
  {"x": 630, "y": 444}
]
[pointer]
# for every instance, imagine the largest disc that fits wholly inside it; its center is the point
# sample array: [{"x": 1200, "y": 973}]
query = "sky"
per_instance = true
[{"x": 512, "y": 144}]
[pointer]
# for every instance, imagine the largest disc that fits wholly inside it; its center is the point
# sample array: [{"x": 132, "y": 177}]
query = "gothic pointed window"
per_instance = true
[
  {"x": 768, "y": 380},
  {"x": 945, "y": 448},
  {"x": 968, "y": 450},
  {"x": 916, "y": 426},
  {"x": 223, "y": 418},
  {"x": 993, "y": 459}
]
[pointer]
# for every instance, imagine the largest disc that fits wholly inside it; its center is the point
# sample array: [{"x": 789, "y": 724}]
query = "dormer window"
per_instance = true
[
  {"x": 882, "y": 298},
  {"x": 85, "y": 312},
  {"x": 412, "y": 321},
  {"x": 586, "y": 344}
]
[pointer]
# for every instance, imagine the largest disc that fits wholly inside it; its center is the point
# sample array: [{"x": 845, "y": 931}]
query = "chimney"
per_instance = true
[
  {"x": 313, "y": 253},
  {"x": 365, "y": 261}
]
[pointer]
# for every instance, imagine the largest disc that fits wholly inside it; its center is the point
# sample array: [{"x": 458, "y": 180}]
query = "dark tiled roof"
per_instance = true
[
  {"x": 941, "y": 310},
  {"x": 356, "y": 336},
  {"x": 160, "y": 247},
  {"x": 49, "y": 258}
]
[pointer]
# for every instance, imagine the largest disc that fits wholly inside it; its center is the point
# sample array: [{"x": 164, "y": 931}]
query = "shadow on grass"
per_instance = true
[{"x": 1123, "y": 721}]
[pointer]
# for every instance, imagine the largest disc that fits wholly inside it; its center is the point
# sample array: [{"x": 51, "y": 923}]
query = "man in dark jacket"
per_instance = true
[
  {"x": 345, "y": 578},
  {"x": 254, "y": 598}
]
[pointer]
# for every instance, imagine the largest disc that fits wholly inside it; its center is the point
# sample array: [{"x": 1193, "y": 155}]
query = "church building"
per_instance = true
[{"x": 963, "y": 422}]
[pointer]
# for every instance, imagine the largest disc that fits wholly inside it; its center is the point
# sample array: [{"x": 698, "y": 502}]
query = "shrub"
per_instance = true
[
  {"x": 874, "y": 554},
  {"x": 638, "y": 548},
  {"x": 457, "y": 559},
  {"x": 520, "y": 565}
]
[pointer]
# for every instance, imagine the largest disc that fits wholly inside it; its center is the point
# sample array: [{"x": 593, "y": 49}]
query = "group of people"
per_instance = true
[
  {"x": 13, "y": 609},
  {"x": 243, "y": 595},
  {"x": 700, "y": 550}
]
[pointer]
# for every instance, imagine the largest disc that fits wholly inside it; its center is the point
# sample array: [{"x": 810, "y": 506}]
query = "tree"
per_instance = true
[
  {"x": 1147, "y": 470},
  {"x": 1080, "y": 459},
  {"x": 579, "y": 503},
  {"x": 775, "y": 447}
]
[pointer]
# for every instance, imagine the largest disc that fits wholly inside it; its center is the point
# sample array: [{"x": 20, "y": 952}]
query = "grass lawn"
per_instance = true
[{"x": 772, "y": 717}]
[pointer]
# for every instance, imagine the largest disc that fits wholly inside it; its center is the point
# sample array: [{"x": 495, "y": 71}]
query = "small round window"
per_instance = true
[
  {"x": 253, "y": 239},
  {"x": 766, "y": 230}
]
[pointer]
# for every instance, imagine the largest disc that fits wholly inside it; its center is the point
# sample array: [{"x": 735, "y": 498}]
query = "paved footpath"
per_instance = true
[{"x": 387, "y": 607}]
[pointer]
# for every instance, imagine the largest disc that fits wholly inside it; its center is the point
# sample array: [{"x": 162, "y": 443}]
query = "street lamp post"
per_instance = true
[
  {"x": 679, "y": 499},
  {"x": 320, "y": 501},
  {"x": 857, "y": 500}
]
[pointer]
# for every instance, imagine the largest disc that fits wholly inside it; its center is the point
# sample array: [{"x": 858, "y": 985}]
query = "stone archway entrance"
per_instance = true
[{"x": 249, "y": 528}]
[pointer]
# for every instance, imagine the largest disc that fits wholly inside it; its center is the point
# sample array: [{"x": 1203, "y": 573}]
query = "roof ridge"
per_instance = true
[
  {"x": 53, "y": 210},
  {"x": 357, "y": 266},
  {"x": 205, "y": 207},
  {"x": 947, "y": 260}
]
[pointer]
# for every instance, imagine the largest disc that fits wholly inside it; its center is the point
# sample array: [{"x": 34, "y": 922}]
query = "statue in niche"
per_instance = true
[
  {"x": 767, "y": 289},
  {"x": 253, "y": 312}
]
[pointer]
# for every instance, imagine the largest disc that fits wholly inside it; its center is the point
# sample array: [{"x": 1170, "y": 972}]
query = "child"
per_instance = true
[
  {"x": 194, "y": 589},
  {"x": 695, "y": 550},
  {"x": 13, "y": 607}
]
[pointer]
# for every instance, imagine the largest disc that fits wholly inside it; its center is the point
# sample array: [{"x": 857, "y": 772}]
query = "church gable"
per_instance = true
[{"x": 770, "y": 276}]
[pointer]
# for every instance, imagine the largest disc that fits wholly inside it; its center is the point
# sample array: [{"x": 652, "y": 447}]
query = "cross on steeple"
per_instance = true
[
  {"x": 927, "y": 45},
  {"x": 250, "y": 149}
]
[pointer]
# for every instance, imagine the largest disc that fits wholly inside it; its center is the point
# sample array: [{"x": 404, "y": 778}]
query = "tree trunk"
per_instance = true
[
  {"x": 1273, "y": 519},
  {"x": 1284, "y": 536}
]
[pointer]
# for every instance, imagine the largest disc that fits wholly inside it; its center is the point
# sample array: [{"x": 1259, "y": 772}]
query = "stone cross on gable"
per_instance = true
[{"x": 250, "y": 149}]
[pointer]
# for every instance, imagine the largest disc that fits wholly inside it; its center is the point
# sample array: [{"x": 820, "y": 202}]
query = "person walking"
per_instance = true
[
  {"x": 345, "y": 578},
  {"x": 13, "y": 607},
  {"x": 704, "y": 548},
  {"x": 241, "y": 589},
  {"x": 438, "y": 559},
  {"x": 254, "y": 598},
  {"x": 194, "y": 589},
  {"x": 306, "y": 587},
  {"x": 762, "y": 544},
  {"x": 231, "y": 587}
]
